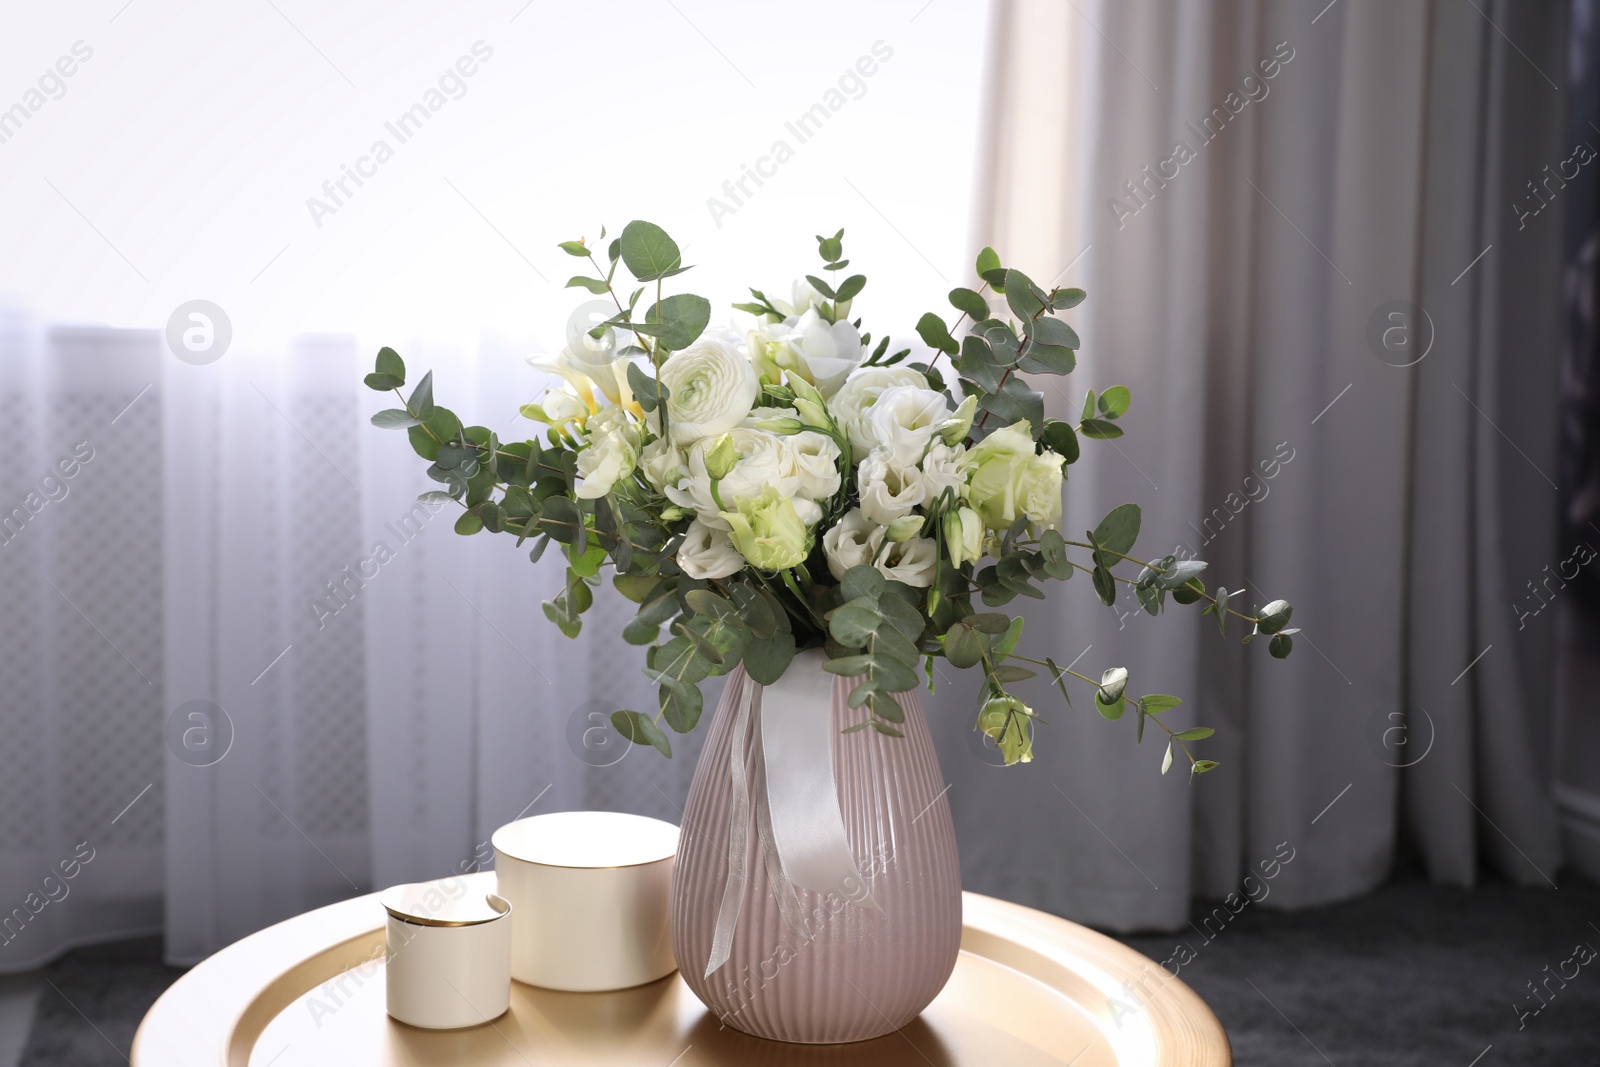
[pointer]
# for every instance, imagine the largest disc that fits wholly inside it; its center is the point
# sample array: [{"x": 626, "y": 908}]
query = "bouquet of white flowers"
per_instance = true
[{"x": 785, "y": 484}]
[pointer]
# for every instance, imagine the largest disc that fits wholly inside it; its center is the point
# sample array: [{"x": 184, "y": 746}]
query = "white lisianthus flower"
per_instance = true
[
  {"x": 708, "y": 553},
  {"x": 1009, "y": 479},
  {"x": 816, "y": 464},
  {"x": 803, "y": 297},
  {"x": 711, "y": 387},
  {"x": 768, "y": 531},
  {"x": 828, "y": 351},
  {"x": 904, "y": 419},
  {"x": 941, "y": 470},
  {"x": 764, "y": 460},
  {"x": 853, "y": 542},
  {"x": 852, "y": 404},
  {"x": 912, "y": 561},
  {"x": 663, "y": 464},
  {"x": 612, "y": 452},
  {"x": 888, "y": 490}
]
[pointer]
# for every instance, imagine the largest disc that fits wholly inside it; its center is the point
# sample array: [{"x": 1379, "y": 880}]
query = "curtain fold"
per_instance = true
[{"x": 1262, "y": 189}]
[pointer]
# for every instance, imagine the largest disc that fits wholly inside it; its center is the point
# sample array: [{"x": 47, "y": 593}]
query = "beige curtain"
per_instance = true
[{"x": 1296, "y": 232}]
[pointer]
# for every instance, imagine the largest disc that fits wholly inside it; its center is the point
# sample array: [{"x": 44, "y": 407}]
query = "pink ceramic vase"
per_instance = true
[{"x": 865, "y": 971}]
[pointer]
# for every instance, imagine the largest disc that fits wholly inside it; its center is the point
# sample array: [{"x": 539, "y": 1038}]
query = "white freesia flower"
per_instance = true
[
  {"x": 708, "y": 553},
  {"x": 663, "y": 463},
  {"x": 941, "y": 470},
  {"x": 852, "y": 404},
  {"x": 712, "y": 387},
  {"x": 904, "y": 419},
  {"x": 888, "y": 490},
  {"x": 913, "y": 561},
  {"x": 612, "y": 452},
  {"x": 816, "y": 464},
  {"x": 764, "y": 460},
  {"x": 593, "y": 365},
  {"x": 852, "y": 542},
  {"x": 560, "y": 405}
]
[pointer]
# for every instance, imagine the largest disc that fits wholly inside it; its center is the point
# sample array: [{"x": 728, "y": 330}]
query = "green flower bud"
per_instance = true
[
  {"x": 963, "y": 535},
  {"x": 782, "y": 425},
  {"x": 721, "y": 457},
  {"x": 904, "y": 528},
  {"x": 1008, "y": 722},
  {"x": 954, "y": 430}
]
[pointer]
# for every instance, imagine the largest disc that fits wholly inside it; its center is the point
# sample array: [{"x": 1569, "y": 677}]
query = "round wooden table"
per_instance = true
[{"x": 1029, "y": 989}]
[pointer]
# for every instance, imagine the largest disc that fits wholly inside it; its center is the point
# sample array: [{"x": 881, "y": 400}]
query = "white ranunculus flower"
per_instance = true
[
  {"x": 816, "y": 463},
  {"x": 888, "y": 490},
  {"x": 913, "y": 562},
  {"x": 852, "y": 404},
  {"x": 612, "y": 452},
  {"x": 764, "y": 460},
  {"x": 941, "y": 469},
  {"x": 662, "y": 463},
  {"x": 711, "y": 386},
  {"x": 828, "y": 351},
  {"x": 904, "y": 419},
  {"x": 852, "y": 542},
  {"x": 708, "y": 553}
]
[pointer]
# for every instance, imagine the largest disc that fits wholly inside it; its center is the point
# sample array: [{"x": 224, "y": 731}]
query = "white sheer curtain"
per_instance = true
[{"x": 1235, "y": 291}]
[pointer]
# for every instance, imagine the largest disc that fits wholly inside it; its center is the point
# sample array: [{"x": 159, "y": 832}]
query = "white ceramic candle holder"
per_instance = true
[
  {"x": 449, "y": 954},
  {"x": 591, "y": 893}
]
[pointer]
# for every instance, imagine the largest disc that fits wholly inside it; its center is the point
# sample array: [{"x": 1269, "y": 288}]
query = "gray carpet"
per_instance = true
[{"x": 1412, "y": 975}]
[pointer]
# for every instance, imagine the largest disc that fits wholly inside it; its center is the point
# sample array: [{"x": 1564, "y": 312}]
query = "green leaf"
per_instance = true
[
  {"x": 574, "y": 248},
  {"x": 1088, "y": 407},
  {"x": 594, "y": 285},
  {"x": 905, "y": 618},
  {"x": 1049, "y": 331},
  {"x": 765, "y": 659},
  {"x": 1099, "y": 429},
  {"x": 382, "y": 382},
  {"x": 1022, "y": 295},
  {"x": 966, "y": 300},
  {"x": 1198, "y": 733},
  {"x": 1067, "y": 298},
  {"x": 1220, "y": 606},
  {"x": 394, "y": 419},
  {"x": 648, "y": 251},
  {"x": 1006, "y": 642},
  {"x": 988, "y": 260},
  {"x": 705, "y": 602},
  {"x": 862, "y": 581},
  {"x": 587, "y": 563},
  {"x": 1202, "y": 766},
  {"x": 935, "y": 334},
  {"x": 962, "y": 646},
  {"x": 1280, "y": 646},
  {"x": 683, "y": 318},
  {"x": 1011, "y": 673},
  {"x": 636, "y": 586},
  {"x": 644, "y": 387},
  {"x": 1060, "y": 438},
  {"x": 1119, "y": 529},
  {"x": 681, "y": 704},
  {"x": 851, "y": 286},
  {"x": 854, "y": 624},
  {"x": 641, "y": 730},
  {"x": 1114, "y": 401},
  {"x": 1156, "y": 703},
  {"x": 1110, "y": 709},
  {"x": 849, "y": 666},
  {"x": 421, "y": 401},
  {"x": 1274, "y": 617},
  {"x": 821, "y": 286},
  {"x": 468, "y": 524},
  {"x": 562, "y": 520},
  {"x": 1105, "y": 586}
]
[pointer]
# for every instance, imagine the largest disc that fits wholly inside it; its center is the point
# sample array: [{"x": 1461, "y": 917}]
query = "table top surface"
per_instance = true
[{"x": 1029, "y": 988}]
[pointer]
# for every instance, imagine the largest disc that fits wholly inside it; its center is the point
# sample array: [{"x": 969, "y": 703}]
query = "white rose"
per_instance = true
[
  {"x": 816, "y": 464},
  {"x": 711, "y": 389},
  {"x": 913, "y": 562},
  {"x": 663, "y": 464},
  {"x": 612, "y": 452},
  {"x": 904, "y": 419},
  {"x": 852, "y": 404},
  {"x": 852, "y": 542},
  {"x": 888, "y": 490},
  {"x": 941, "y": 470},
  {"x": 707, "y": 553},
  {"x": 764, "y": 460}
]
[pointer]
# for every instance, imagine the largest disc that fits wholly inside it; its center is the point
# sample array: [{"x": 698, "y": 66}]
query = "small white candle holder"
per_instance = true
[
  {"x": 449, "y": 954},
  {"x": 591, "y": 892}
]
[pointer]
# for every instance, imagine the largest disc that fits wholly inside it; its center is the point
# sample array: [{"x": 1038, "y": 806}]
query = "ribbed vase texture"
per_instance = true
[{"x": 864, "y": 973}]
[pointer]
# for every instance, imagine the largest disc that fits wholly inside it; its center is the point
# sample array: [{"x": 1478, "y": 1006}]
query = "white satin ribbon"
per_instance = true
[{"x": 795, "y": 800}]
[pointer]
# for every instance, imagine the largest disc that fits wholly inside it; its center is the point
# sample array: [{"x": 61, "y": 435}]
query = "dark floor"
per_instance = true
[{"x": 1412, "y": 975}]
